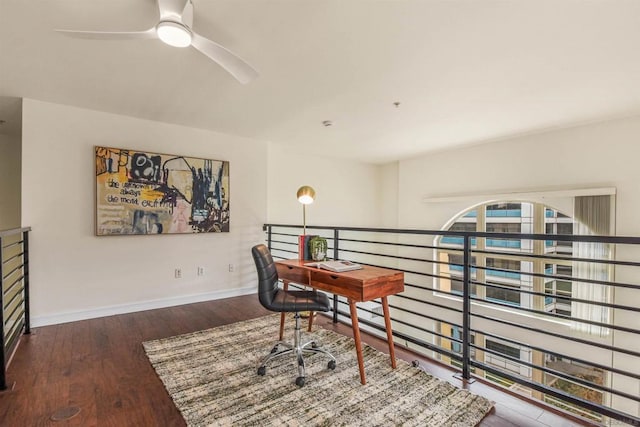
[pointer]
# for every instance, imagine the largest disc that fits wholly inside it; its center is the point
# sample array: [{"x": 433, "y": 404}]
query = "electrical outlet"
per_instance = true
[
  {"x": 201, "y": 271},
  {"x": 231, "y": 267},
  {"x": 178, "y": 273}
]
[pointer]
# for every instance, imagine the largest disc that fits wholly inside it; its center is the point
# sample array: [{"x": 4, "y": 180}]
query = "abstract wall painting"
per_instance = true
[{"x": 138, "y": 192}]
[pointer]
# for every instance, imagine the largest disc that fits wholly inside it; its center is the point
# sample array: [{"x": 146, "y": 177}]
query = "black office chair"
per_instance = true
[{"x": 275, "y": 299}]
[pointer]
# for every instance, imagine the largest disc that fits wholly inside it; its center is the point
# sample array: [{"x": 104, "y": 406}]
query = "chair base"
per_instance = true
[{"x": 298, "y": 350}]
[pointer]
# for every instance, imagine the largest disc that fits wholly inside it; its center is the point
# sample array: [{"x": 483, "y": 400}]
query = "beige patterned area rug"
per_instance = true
[{"x": 211, "y": 376}]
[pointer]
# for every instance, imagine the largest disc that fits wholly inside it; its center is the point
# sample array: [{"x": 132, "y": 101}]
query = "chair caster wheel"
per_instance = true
[
  {"x": 314, "y": 345},
  {"x": 300, "y": 381},
  {"x": 331, "y": 365},
  {"x": 262, "y": 370},
  {"x": 274, "y": 349}
]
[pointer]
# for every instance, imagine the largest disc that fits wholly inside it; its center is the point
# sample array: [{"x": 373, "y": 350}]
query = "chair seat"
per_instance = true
[{"x": 292, "y": 301}]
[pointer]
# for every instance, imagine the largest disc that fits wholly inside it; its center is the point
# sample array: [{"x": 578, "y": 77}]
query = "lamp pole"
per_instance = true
[{"x": 304, "y": 219}]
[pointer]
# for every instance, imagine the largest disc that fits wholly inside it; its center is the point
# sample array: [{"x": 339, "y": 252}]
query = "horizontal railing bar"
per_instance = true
[
  {"x": 10, "y": 316},
  {"x": 407, "y": 338},
  {"x": 406, "y": 297},
  {"x": 15, "y": 281},
  {"x": 555, "y": 276},
  {"x": 404, "y": 245},
  {"x": 385, "y": 256},
  {"x": 557, "y": 335},
  {"x": 405, "y": 310},
  {"x": 403, "y": 323},
  {"x": 557, "y": 373},
  {"x": 284, "y": 250},
  {"x": 284, "y": 243},
  {"x": 511, "y": 236},
  {"x": 275, "y": 233},
  {"x": 558, "y": 316},
  {"x": 16, "y": 295},
  {"x": 429, "y": 289},
  {"x": 431, "y": 261},
  {"x": 542, "y": 294},
  {"x": 556, "y": 257},
  {"x": 562, "y": 277},
  {"x": 14, "y": 333},
  {"x": 420, "y": 273},
  {"x": 19, "y": 267},
  {"x": 425, "y": 316},
  {"x": 408, "y": 324},
  {"x": 376, "y": 230},
  {"x": 10, "y": 245},
  {"x": 12, "y": 231},
  {"x": 560, "y": 355},
  {"x": 13, "y": 316},
  {"x": 8, "y": 260},
  {"x": 457, "y": 310}
]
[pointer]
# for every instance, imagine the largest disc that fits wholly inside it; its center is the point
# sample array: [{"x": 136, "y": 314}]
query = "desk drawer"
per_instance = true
[
  {"x": 293, "y": 273},
  {"x": 337, "y": 284}
]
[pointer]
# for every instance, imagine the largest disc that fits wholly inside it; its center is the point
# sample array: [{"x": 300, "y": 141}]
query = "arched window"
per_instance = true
[{"x": 506, "y": 269}]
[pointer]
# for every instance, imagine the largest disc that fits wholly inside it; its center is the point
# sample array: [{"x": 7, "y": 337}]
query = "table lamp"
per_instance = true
[{"x": 305, "y": 196}]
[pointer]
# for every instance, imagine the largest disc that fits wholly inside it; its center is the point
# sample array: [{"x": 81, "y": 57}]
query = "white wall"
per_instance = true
[
  {"x": 388, "y": 194},
  {"x": 9, "y": 181},
  {"x": 346, "y": 191},
  {"x": 75, "y": 274},
  {"x": 598, "y": 155}
]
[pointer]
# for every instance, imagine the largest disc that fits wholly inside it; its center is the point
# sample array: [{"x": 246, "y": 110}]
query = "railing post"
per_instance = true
[
  {"x": 336, "y": 238},
  {"x": 269, "y": 237},
  {"x": 25, "y": 264},
  {"x": 466, "y": 308},
  {"x": 3, "y": 378}
]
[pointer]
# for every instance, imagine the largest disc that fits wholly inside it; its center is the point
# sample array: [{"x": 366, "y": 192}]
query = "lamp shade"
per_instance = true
[{"x": 306, "y": 195}]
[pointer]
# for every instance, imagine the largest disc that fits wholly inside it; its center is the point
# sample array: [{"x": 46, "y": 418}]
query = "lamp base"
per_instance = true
[{"x": 305, "y": 314}]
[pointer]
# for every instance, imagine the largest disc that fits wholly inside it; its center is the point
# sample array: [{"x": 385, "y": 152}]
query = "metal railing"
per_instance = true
[
  {"x": 463, "y": 317},
  {"x": 14, "y": 298}
]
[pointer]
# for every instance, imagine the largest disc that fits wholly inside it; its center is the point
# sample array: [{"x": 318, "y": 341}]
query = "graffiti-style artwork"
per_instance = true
[{"x": 148, "y": 193}]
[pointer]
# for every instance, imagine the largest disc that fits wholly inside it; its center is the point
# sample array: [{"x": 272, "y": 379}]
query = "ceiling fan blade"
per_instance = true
[
  {"x": 187, "y": 14},
  {"x": 110, "y": 35},
  {"x": 228, "y": 60},
  {"x": 172, "y": 10}
]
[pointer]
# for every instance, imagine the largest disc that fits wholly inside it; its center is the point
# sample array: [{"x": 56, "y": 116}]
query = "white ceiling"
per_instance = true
[{"x": 464, "y": 71}]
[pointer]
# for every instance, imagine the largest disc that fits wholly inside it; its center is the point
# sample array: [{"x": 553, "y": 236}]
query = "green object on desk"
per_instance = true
[{"x": 318, "y": 248}]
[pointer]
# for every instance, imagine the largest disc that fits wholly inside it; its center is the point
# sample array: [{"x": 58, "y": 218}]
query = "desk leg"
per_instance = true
[
  {"x": 285, "y": 286},
  {"x": 356, "y": 338},
  {"x": 311, "y": 313},
  {"x": 387, "y": 324}
]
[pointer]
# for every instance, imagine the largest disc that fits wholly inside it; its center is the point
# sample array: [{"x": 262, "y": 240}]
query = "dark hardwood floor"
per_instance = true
[{"x": 100, "y": 367}]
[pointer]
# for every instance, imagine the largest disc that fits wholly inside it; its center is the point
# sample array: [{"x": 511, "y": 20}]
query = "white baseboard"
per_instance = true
[{"x": 73, "y": 316}]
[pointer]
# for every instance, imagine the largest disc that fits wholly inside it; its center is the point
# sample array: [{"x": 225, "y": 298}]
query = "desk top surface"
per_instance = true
[{"x": 365, "y": 273}]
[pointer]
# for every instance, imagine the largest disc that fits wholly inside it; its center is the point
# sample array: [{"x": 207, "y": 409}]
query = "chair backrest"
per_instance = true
[{"x": 267, "y": 275}]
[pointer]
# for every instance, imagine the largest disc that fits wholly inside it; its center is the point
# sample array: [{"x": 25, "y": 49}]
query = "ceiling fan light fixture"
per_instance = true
[{"x": 174, "y": 34}]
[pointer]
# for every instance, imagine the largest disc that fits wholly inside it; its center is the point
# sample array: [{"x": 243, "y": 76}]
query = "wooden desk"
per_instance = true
[{"x": 365, "y": 284}]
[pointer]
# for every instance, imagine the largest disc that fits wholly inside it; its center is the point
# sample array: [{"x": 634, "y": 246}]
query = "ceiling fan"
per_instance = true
[{"x": 174, "y": 28}]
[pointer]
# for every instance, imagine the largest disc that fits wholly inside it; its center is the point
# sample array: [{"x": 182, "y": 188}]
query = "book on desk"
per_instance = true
[{"x": 337, "y": 266}]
